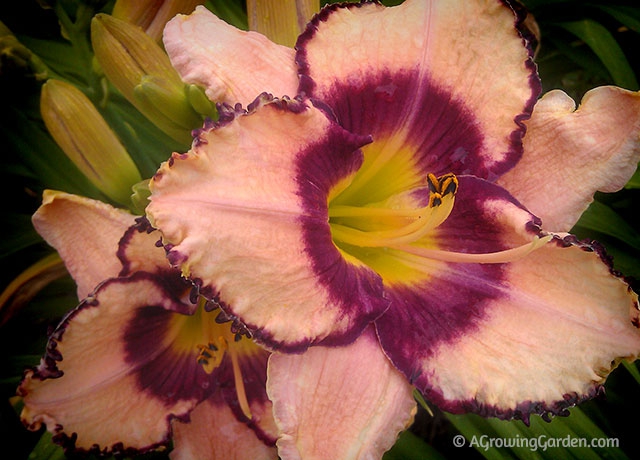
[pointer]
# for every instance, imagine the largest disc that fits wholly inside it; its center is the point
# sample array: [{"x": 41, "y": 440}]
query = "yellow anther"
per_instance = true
[
  {"x": 440, "y": 187},
  {"x": 210, "y": 357}
]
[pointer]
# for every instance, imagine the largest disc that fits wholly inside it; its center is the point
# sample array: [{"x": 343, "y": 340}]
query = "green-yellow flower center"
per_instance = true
[
  {"x": 388, "y": 217},
  {"x": 201, "y": 334}
]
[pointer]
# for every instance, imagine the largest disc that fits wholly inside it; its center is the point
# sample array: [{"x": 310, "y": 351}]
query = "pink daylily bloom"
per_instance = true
[
  {"x": 138, "y": 364},
  {"x": 406, "y": 211}
]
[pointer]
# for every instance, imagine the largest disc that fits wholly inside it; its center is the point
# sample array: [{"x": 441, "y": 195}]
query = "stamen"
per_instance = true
[
  {"x": 441, "y": 199},
  {"x": 362, "y": 211},
  {"x": 416, "y": 254},
  {"x": 211, "y": 355},
  {"x": 441, "y": 186},
  {"x": 239, "y": 383}
]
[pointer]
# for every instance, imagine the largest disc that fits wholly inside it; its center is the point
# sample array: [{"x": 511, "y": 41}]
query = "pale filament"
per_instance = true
[
  {"x": 211, "y": 355},
  {"x": 415, "y": 253},
  {"x": 239, "y": 383},
  {"x": 425, "y": 220}
]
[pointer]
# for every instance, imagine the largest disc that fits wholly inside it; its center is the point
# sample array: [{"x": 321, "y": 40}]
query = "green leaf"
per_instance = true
[
  {"x": 411, "y": 447},
  {"x": 633, "y": 370},
  {"x": 627, "y": 15},
  {"x": 423, "y": 403},
  {"x": 232, "y": 12},
  {"x": 605, "y": 46},
  {"x": 634, "y": 182},
  {"x": 562, "y": 438},
  {"x": 47, "y": 450},
  {"x": 601, "y": 218},
  {"x": 18, "y": 234},
  {"x": 59, "y": 57}
]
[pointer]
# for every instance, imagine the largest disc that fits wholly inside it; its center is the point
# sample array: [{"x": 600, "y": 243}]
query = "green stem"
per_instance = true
[{"x": 78, "y": 35}]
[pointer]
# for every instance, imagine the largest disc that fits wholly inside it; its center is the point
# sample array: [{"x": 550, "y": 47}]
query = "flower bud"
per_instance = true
[
  {"x": 140, "y": 197},
  {"x": 87, "y": 140},
  {"x": 281, "y": 20},
  {"x": 138, "y": 67},
  {"x": 157, "y": 95},
  {"x": 152, "y": 15},
  {"x": 200, "y": 102}
]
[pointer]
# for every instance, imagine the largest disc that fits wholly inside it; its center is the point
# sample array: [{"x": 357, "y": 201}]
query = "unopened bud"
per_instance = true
[
  {"x": 152, "y": 15},
  {"x": 281, "y": 20},
  {"x": 140, "y": 197},
  {"x": 86, "y": 138},
  {"x": 200, "y": 102},
  {"x": 138, "y": 67},
  {"x": 173, "y": 112}
]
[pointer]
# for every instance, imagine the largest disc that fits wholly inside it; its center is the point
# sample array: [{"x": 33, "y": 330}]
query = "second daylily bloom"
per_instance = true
[
  {"x": 370, "y": 216},
  {"x": 141, "y": 362}
]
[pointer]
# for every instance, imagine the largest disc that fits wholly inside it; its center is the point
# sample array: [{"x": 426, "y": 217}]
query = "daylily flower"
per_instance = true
[
  {"x": 375, "y": 225},
  {"x": 141, "y": 362}
]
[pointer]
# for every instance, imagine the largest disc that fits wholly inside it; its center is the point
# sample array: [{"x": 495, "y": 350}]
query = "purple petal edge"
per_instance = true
[
  {"x": 522, "y": 411},
  {"x": 530, "y": 41},
  {"x": 307, "y": 84}
]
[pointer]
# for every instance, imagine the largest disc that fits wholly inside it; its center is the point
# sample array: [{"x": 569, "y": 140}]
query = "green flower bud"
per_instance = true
[
  {"x": 152, "y": 15},
  {"x": 281, "y": 20},
  {"x": 139, "y": 68},
  {"x": 87, "y": 139},
  {"x": 172, "y": 110},
  {"x": 140, "y": 197},
  {"x": 200, "y": 102}
]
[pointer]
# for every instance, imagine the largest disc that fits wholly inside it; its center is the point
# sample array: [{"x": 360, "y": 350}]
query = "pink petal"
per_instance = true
[
  {"x": 345, "y": 402},
  {"x": 64, "y": 220},
  {"x": 534, "y": 334},
  {"x": 548, "y": 342},
  {"x": 138, "y": 251},
  {"x": 232, "y": 65},
  {"x": 570, "y": 154},
  {"x": 213, "y": 433}
]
